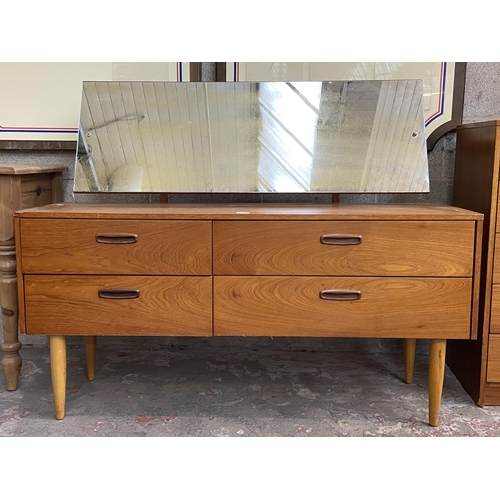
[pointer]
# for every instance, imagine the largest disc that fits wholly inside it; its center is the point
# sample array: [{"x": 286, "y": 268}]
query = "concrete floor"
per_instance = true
[{"x": 238, "y": 387}]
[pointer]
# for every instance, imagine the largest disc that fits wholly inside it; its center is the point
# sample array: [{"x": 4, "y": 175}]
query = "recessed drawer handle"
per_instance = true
[
  {"x": 340, "y": 295},
  {"x": 116, "y": 238},
  {"x": 118, "y": 293},
  {"x": 341, "y": 239}
]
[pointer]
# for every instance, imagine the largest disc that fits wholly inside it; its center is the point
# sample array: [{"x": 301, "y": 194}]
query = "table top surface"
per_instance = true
[
  {"x": 25, "y": 169},
  {"x": 250, "y": 211}
]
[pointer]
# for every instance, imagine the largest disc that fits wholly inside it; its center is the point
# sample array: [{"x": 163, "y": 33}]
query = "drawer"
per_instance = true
[
  {"x": 36, "y": 190},
  {"x": 493, "y": 373},
  {"x": 88, "y": 246},
  {"x": 98, "y": 305},
  {"x": 495, "y": 309},
  {"x": 351, "y": 307},
  {"x": 496, "y": 259},
  {"x": 352, "y": 248}
]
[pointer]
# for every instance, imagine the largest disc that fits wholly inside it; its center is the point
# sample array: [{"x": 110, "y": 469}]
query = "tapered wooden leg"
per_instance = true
[
  {"x": 409, "y": 346},
  {"x": 437, "y": 355},
  {"x": 90, "y": 353},
  {"x": 11, "y": 361},
  {"x": 58, "y": 370}
]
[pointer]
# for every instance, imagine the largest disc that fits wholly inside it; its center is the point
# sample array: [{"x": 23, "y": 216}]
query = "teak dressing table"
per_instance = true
[{"x": 385, "y": 271}]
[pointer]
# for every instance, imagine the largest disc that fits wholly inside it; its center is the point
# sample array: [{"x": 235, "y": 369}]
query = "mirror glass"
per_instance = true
[{"x": 247, "y": 137}]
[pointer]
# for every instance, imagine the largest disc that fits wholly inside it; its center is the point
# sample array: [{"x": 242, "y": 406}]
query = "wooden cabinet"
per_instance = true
[
  {"x": 477, "y": 363},
  {"x": 400, "y": 271}
]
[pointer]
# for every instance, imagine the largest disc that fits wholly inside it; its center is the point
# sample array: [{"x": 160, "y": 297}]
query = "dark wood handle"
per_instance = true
[
  {"x": 341, "y": 239},
  {"x": 118, "y": 293},
  {"x": 340, "y": 295},
  {"x": 116, "y": 238}
]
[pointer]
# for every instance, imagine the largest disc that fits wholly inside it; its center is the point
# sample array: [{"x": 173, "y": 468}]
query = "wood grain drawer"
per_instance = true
[
  {"x": 354, "y": 248},
  {"x": 496, "y": 259},
  {"x": 36, "y": 190},
  {"x": 387, "y": 307},
  {"x": 495, "y": 309},
  {"x": 124, "y": 247},
  {"x": 166, "y": 305},
  {"x": 493, "y": 373}
]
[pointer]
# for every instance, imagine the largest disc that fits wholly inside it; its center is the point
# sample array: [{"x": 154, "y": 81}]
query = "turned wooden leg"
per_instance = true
[
  {"x": 409, "y": 346},
  {"x": 11, "y": 361},
  {"x": 437, "y": 354},
  {"x": 58, "y": 371},
  {"x": 90, "y": 353}
]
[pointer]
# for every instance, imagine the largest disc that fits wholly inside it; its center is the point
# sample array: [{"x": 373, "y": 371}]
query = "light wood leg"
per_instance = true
[
  {"x": 437, "y": 355},
  {"x": 409, "y": 346},
  {"x": 90, "y": 353},
  {"x": 11, "y": 361},
  {"x": 58, "y": 370}
]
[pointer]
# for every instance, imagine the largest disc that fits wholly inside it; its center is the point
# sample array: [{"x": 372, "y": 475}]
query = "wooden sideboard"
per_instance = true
[
  {"x": 384, "y": 271},
  {"x": 476, "y": 363},
  {"x": 21, "y": 186}
]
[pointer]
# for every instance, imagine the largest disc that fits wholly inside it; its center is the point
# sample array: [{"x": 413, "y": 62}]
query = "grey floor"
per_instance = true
[{"x": 238, "y": 387}]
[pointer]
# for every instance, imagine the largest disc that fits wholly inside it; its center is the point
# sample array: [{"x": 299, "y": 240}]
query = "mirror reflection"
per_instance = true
[{"x": 241, "y": 137}]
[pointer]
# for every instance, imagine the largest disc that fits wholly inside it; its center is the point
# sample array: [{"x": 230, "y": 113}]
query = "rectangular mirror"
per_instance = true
[{"x": 247, "y": 137}]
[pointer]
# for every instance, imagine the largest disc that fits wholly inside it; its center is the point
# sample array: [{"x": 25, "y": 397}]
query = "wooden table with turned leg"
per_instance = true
[{"x": 21, "y": 186}]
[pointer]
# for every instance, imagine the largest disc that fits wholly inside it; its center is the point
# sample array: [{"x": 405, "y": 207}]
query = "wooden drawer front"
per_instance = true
[
  {"x": 388, "y": 307},
  {"x": 36, "y": 190},
  {"x": 70, "y": 247},
  {"x": 496, "y": 260},
  {"x": 495, "y": 309},
  {"x": 493, "y": 373},
  {"x": 165, "y": 306},
  {"x": 386, "y": 249}
]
